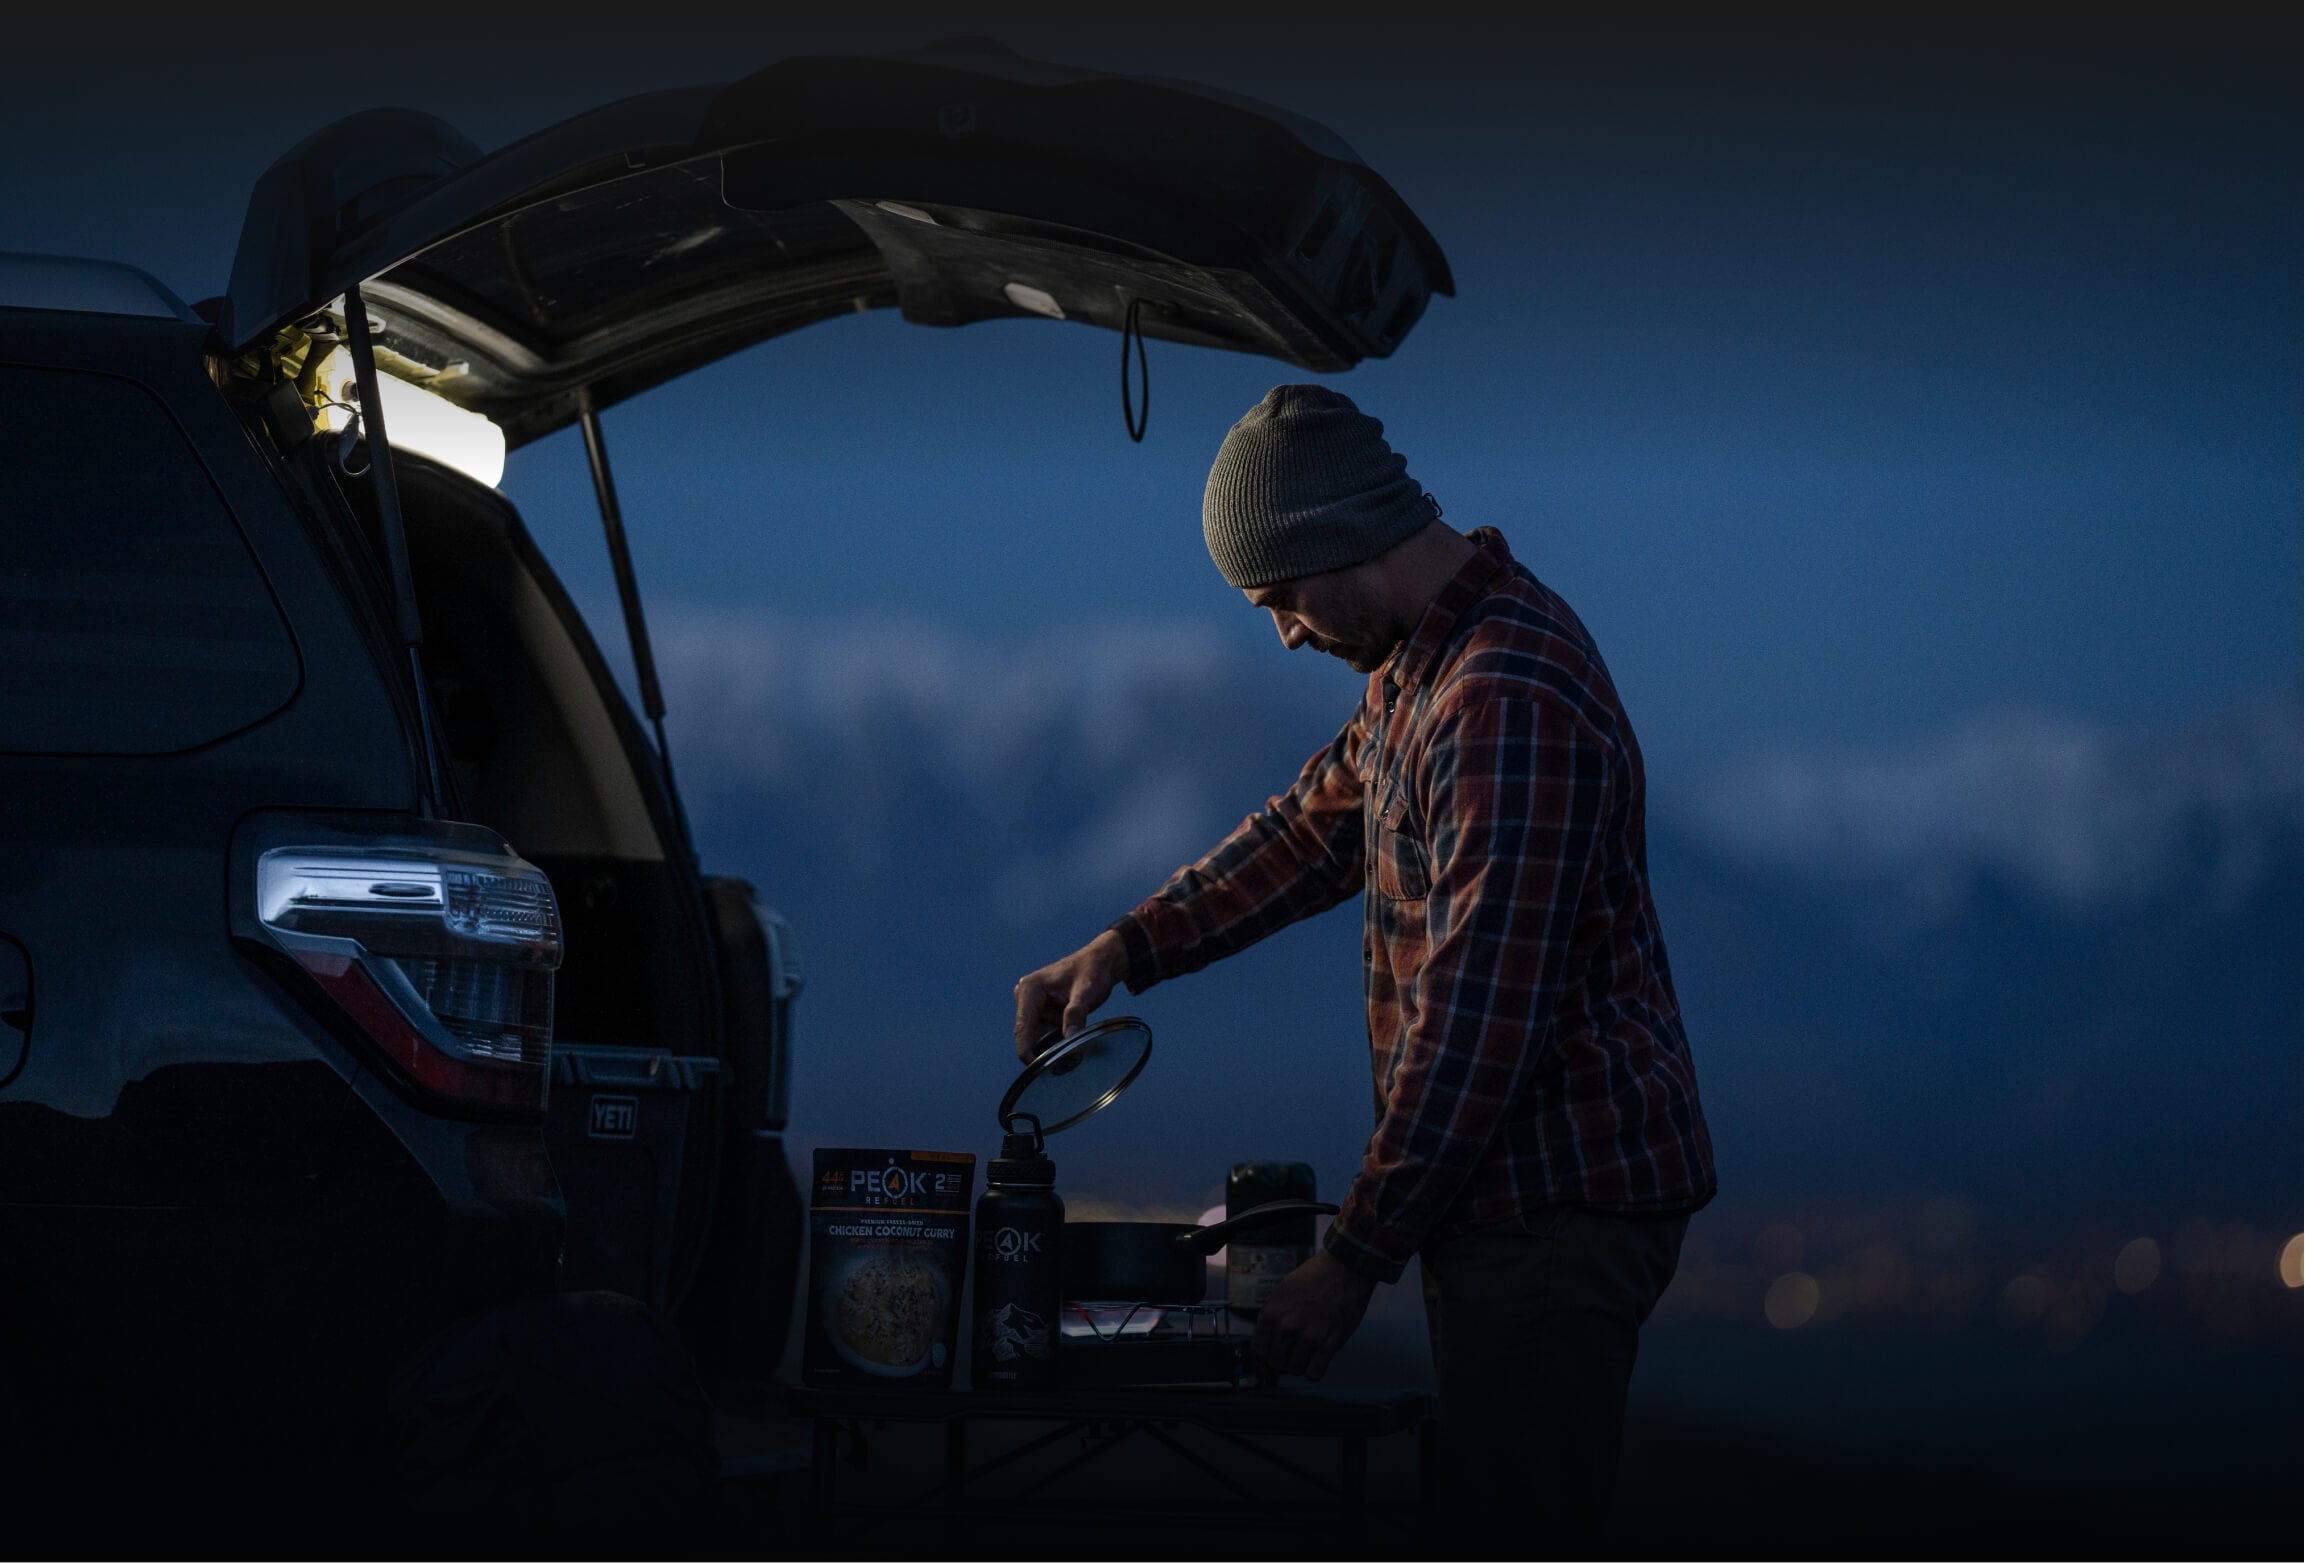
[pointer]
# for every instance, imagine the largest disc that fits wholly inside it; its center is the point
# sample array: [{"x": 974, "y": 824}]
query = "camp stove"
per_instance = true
[
  {"x": 1130, "y": 1298},
  {"x": 1100, "y": 1345}
]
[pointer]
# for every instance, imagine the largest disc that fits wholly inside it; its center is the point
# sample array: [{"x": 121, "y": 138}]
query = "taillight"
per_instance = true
[{"x": 443, "y": 958}]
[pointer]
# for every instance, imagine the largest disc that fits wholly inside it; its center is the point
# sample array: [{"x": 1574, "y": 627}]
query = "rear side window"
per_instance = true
[{"x": 133, "y": 619}]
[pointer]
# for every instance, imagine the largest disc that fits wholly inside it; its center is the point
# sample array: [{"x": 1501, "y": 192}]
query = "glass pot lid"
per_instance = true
[{"x": 1078, "y": 1075}]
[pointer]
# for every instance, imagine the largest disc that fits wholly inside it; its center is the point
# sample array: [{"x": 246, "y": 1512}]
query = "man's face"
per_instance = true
[{"x": 1340, "y": 612}]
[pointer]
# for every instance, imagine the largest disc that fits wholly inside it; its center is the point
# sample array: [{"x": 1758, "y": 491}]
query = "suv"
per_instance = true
[{"x": 357, "y": 973}]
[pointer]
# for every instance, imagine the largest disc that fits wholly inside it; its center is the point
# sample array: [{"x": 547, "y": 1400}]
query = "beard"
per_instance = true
[
  {"x": 1361, "y": 635},
  {"x": 1361, "y": 658}
]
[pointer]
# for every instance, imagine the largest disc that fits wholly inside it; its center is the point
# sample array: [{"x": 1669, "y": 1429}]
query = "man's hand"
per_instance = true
[
  {"x": 1063, "y": 995},
  {"x": 1311, "y": 1314}
]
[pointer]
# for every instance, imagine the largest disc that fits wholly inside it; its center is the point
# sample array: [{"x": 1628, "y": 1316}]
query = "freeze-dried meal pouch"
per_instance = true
[{"x": 888, "y": 1250}]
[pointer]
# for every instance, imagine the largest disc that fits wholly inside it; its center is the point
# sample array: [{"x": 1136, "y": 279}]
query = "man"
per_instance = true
[{"x": 1538, "y": 1140}]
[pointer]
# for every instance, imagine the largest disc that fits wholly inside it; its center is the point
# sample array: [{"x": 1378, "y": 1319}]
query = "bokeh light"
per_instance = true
[
  {"x": 1940, "y": 1262},
  {"x": 2072, "y": 1315},
  {"x": 2137, "y": 1266},
  {"x": 1792, "y": 1300},
  {"x": 2024, "y": 1300}
]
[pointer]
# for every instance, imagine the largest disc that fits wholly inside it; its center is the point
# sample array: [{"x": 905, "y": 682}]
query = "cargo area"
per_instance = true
[{"x": 674, "y": 986}]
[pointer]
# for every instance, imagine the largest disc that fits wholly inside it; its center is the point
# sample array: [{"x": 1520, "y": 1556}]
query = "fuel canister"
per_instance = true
[{"x": 1255, "y": 1262}]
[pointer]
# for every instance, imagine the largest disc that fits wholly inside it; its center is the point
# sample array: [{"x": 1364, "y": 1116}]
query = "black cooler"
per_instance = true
[{"x": 620, "y": 1126}]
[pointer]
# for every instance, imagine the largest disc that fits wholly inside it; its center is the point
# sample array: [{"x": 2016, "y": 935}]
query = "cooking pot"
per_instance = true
[
  {"x": 1068, "y": 1080},
  {"x": 1157, "y": 1262}
]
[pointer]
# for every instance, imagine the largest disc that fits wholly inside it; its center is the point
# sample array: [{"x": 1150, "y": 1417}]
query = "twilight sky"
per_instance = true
[{"x": 1850, "y": 394}]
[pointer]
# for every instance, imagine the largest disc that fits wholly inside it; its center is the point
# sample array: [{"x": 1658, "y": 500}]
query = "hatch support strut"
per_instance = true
[
  {"x": 628, "y": 596},
  {"x": 405, "y": 618}
]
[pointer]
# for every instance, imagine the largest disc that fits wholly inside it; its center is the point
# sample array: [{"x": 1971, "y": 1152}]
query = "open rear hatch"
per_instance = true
[
  {"x": 600, "y": 257},
  {"x": 631, "y": 244}
]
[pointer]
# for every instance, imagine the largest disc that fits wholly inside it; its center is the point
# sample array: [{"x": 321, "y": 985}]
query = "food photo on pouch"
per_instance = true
[{"x": 1608, "y": 867}]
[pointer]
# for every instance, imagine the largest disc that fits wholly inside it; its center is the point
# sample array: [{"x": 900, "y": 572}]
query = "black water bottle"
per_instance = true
[{"x": 1019, "y": 1225}]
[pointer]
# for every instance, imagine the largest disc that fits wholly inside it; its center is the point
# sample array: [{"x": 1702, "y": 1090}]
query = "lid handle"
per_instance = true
[{"x": 1019, "y": 1144}]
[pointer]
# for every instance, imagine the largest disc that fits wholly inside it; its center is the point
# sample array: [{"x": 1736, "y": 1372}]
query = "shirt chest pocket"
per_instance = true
[{"x": 1403, "y": 871}]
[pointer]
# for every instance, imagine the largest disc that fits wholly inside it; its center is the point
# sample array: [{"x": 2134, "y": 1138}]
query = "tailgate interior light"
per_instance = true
[{"x": 416, "y": 419}]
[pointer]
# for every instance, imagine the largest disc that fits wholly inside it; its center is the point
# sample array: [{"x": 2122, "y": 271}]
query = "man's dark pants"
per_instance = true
[{"x": 1535, "y": 1326}]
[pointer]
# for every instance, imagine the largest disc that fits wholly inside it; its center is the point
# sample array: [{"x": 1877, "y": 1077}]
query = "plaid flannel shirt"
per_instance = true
[{"x": 1526, "y": 1043}]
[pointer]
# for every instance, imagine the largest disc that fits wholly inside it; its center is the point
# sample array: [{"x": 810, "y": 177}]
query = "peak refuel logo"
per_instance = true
[
  {"x": 1011, "y": 1243},
  {"x": 897, "y": 1184}
]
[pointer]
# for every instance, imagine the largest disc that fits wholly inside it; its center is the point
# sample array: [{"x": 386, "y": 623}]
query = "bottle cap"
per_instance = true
[
  {"x": 1023, "y": 1155},
  {"x": 1012, "y": 1171}
]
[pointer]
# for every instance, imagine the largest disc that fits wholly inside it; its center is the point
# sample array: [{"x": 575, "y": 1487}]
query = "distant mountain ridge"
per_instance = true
[{"x": 1895, "y": 979}]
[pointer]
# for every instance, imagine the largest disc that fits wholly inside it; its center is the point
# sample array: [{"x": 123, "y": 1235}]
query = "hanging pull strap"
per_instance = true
[{"x": 1130, "y": 418}]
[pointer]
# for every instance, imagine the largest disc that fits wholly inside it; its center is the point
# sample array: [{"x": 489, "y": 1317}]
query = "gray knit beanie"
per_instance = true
[{"x": 1305, "y": 483}]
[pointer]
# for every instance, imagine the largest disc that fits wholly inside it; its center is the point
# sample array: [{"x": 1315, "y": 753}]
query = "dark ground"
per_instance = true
[
  {"x": 1686, "y": 1493},
  {"x": 1855, "y": 1443},
  {"x": 1864, "y": 1440}
]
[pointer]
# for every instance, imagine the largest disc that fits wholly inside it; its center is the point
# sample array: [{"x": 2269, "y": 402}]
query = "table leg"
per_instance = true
[
  {"x": 1429, "y": 1468},
  {"x": 823, "y": 1458},
  {"x": 956, "y": 1525},
  {"x": 1356, "y": 1485}
]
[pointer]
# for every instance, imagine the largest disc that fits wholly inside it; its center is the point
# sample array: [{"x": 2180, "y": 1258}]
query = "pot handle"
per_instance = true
[{"x": 1209, "y": 1239}]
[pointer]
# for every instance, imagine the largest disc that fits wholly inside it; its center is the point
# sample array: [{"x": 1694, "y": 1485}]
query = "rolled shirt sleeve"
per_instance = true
[{"x": 1512, "y": 798}]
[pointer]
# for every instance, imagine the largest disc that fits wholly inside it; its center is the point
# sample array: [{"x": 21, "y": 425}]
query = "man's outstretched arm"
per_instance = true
[{"x": 1300, "y": 854}]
